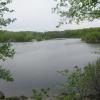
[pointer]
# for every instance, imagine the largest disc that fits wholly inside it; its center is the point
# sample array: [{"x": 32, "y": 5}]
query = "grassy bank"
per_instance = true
[{"x": 91, "y": 35}]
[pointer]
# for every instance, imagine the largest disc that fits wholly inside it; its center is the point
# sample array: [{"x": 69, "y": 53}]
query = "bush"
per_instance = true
[
  {"x": 93, "y": 37},
  {"x": 83, "y": 82}
]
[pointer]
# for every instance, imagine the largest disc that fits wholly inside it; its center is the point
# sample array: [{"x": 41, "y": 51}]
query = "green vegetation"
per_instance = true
[
  {"x": 77, "y": 10},
  {"x": 5, "y": 48},
  {"x": 81, "y": 84},
  {"x": 5, "y": 74},
  {"x": 6, "y": 36},
  {"x": 4, "y": 21},
  {"x": 40, "y": 94},
  {"x": 5, "y": 52},
  {"x": 91, "y": 35}
]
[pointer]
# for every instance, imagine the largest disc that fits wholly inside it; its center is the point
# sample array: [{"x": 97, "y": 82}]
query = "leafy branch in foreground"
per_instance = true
[
  {"x": 40, "y": 94},
  {"x": 77, "y": 10},
  {"x": 82, "y": 83},
  {"x": 6, "y": 51},
  {"x": 5, "y": 74},
  {"x": 5, "y": 48},
  {"x": 4, "y": 9}
]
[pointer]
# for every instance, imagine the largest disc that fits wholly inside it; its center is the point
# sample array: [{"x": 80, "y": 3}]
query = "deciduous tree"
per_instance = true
[
  {"x": 5, "y": 48},
  {"x": 77, "y": 10}
]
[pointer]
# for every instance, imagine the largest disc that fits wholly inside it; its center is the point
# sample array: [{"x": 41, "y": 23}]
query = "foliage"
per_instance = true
[
  {"x": 77, "y": 10},
  {"x": 5, "y": 74},
  {"x": 66, "y": 97},
  {"x": 3, "y": 10},
  {"x": 6, "y": 36},
  {"x": 40, "y": 94},
  {"x": 93, "y": 37},
  {"x": 83, "y": 82},
  {"x": 6, "y": 51},
  {"x": 89, "y": 35},
  {"x": 5, "y": 48}
]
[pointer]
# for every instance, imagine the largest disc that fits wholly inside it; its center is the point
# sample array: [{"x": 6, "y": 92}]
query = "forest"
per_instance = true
[{"x": 90, "y": 35}]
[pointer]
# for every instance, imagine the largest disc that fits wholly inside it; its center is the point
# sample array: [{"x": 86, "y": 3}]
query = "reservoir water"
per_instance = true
[{"x": 35, "y": 64}]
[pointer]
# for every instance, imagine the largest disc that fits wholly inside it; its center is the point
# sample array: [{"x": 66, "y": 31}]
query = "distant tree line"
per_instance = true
[{"x": 91, "y": 35}]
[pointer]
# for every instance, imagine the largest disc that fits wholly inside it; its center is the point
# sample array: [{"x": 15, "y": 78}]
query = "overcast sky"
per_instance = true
[{"x": 36, "y": 15}]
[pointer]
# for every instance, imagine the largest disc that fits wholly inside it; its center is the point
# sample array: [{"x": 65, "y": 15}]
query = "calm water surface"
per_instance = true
[{"x": 35, "y": 64}]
